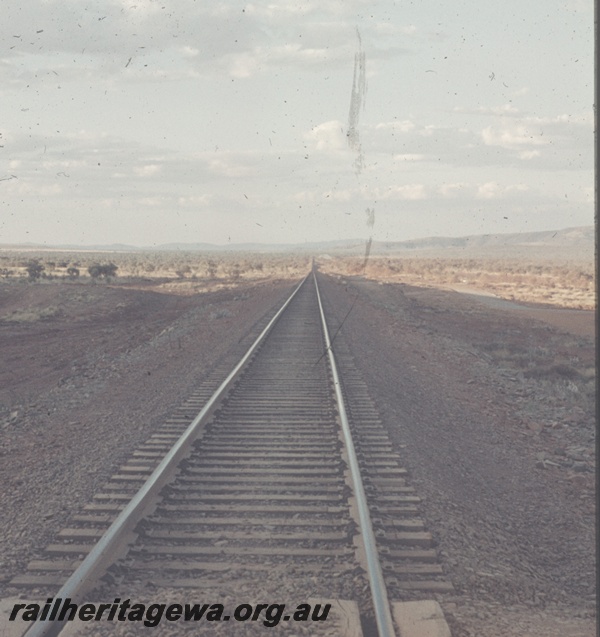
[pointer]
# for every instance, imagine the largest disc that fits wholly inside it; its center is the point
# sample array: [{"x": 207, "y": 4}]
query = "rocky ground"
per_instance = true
[
  {"x": 491, "y": 409},
  {"x": 87, "y": 372},
  {"x": 493, "y": 412}
]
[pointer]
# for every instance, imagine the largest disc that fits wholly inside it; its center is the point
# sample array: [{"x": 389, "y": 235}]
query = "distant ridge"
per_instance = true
[{"x": 582, "y": 237}]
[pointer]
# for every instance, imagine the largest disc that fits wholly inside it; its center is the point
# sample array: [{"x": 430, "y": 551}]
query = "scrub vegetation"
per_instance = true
[
  {"x": 565, "y": 284},
  {"x": 156, "y": 267}
]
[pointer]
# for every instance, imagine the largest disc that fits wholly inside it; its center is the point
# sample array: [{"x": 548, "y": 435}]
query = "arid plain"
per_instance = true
[{"x": 482, "y": 367}]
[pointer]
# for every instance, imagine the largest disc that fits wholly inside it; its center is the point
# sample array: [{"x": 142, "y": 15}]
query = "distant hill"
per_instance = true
[
  {"x": 569, "y": 242},
  {"x": 259, "y": 247},
  {"x": 583, "y": 237},
  {"x": 572, "y": 237}
]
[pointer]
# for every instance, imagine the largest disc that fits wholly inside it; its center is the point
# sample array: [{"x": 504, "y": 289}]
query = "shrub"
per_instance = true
[
  {"x": 105, "y": 271},
  {"x": 211, "y": 269},
  {"x": 182, "y": 271},
  {"x": 34, "y": 269}
]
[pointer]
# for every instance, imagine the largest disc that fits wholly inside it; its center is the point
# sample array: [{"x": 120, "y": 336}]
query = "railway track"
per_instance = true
[{"x": 284, "y": 478}]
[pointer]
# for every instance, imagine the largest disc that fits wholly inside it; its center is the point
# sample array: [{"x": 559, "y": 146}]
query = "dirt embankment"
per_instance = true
[
  {"x": 87, "y": 372},
  {"x": 494, "y": 415}
]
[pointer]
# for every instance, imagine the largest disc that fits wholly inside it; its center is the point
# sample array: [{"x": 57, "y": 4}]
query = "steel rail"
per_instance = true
[
  {"x": 381, "y": 604},
  {"x": 102, "y": 555}
]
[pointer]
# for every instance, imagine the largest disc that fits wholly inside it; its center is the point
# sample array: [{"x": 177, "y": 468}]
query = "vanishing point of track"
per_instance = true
[{"x": 285, "y": 470}]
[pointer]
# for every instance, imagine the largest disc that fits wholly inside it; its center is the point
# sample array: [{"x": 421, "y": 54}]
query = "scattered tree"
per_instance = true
[
  {"x": 34, "y": 269},
  {"x": 235, "y": 271},
  {"x": 211, "y": 269},
  {"x": 182, "y": 271},
  {"x": 97, "y": 270}
]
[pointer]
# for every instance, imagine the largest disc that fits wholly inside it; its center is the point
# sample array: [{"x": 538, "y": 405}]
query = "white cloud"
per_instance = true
[
  {"x": 411, "y": 192},
  {"x": 35, "y": 188},
  {"x": 267, "y": 85},
  {"x": 503, "y": 110},
  {"x": 452, "y": 190},
  {"x": 389, "y": 28},
  {"x": 340, "y": 195},
  {"x": 542, "y": 137},
  {"x": 228, "y": 167},
  {"x": 141, "y": 8},
  {"x": 286, "y": 9},
  {"x": 427, "y": 131},
  {"x": 328, "y": 136},
  {"x": 490, "y": 190},
  {"x": 409, "y": 157},
  {"x": 404, "y": 126},
  {"x": 194, "y": 201},
  {"x": 50, "y": 190},
  {"x": 516, "y": 188},
  {"x": 277, "y": 10},
  {"x": 511, "y": 136},
  {"x": 189, "y": 51},
  {"x": 148, "y": 170},
  {"x": 493, "y": 190},
  {"x": 131, "y": 40},
  {"x": 151, "y": 202},
  {"x": 304, "y": 196},
  {"x": 529, "y": 154},
  {"x": 243, "y": 65},
  {"x": 260, "y": 59},
  {"x": 64, "y": 164}
]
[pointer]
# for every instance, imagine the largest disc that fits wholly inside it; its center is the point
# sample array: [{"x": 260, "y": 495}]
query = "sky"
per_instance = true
[{"x": 155, "y": 121}]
